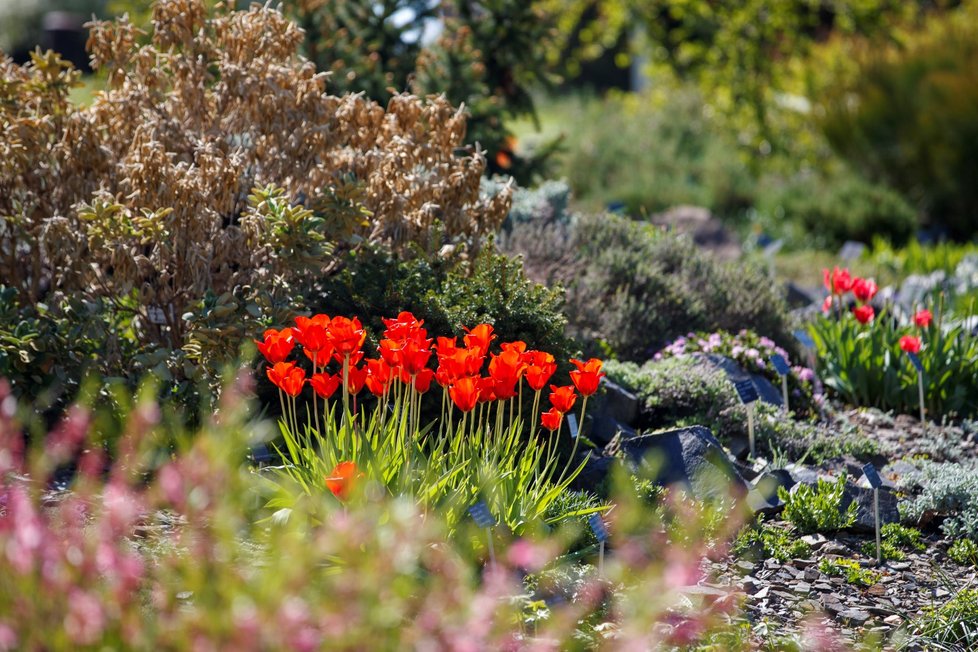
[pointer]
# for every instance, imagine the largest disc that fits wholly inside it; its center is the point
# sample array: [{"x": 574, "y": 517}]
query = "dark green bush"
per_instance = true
[
  {"x": 909, "y": 118},
  {"x": 448, "y": 293},
  {"x": 635, "y": 287},
  {"x": 831, "y": 211}
]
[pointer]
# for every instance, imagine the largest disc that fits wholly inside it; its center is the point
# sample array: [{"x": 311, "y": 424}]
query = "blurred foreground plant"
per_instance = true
[{"x": 180, "y": 554}]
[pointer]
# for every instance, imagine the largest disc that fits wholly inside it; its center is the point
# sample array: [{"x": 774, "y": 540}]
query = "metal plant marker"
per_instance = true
[
  {"x": 875, "y": 482},
  {"x": 748, "y": 395},
  {"x": 601, "y": 534},
  {"x": 483, "y": 518}
]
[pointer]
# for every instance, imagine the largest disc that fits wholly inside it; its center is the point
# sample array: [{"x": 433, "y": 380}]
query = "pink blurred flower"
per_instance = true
[{"x": 85, "y": 620}]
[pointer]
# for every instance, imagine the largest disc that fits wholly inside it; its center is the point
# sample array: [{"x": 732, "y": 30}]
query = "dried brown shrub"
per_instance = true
[{"x": 214, "y": 161}]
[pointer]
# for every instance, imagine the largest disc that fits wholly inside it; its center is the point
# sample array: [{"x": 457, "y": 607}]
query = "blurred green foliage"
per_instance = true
[{"x": 909, "y": 118}]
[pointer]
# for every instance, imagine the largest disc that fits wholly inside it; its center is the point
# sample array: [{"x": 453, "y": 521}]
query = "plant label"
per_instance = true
[
  {"x": 572, "y": 424},
  {"x": 598, "y": 527},
  {"x": 874, "y": 479},
  {"x": 780, "y": 364},
  {"x": 481, "y": 515},
  {"x": 804, "y": 339},
  {"x": 915, "y": 361},
  {"x": 746, "y": 391}
]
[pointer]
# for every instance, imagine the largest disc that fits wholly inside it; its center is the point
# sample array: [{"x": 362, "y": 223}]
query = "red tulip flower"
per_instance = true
[
  {"x": 311, "y": 333},
  {"x": 487, "y": 389},
  {"x": 518, "y": 346},
  {"x": 541, "y": 366},
  {"x": 414, "y": 356},
  {"x": 379, "y": 375},
  {"x": 587, "y": 377},
  {"x": 910, "y": 344},
  {"x": 923, "y": 318},
  {"x": 346, "y": 335},
  {"x": 422, "y": 381},
  {"x": 342, "y": 478},
  {"x": 406, "y": 326},
  {"x": 864, "y": 314},
  {"x": 356, "y": 379},
  {"x": 325, "y": 385},
  {"x": 838, "y": 281},
  {"x": 465, "y": 393},
  {"x": 551, "y": 419},
  {"x": 276, "y": 345},
  {"x": 864, "y": 289},
  {"x": 287, "y": 377},
  {"x": 562, "y": 398},
  {"x": 479, "y": 337}
]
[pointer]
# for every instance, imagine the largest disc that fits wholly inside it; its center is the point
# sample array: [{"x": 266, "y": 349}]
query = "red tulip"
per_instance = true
[
  {"x": 342, "y": 478},
  {"x": 414, "y": 356},
  {"x": 355, "y": 379},
  {"x": 287, "y": 377},
  {"x": 464, "y": 393},
  {"x": 838, "y": 281},
  {"x": 587, "y": 377},
  {"x": 562, "y": 398},
  {"x": 310, "y": 332},
  {"x": 518, "y": 346},
  {"x": 864, "y": 314},
  {"x": 551, "y": 419},
  {"x": 346, "y": 335},
  {"x": 541, "y": 367},
  {"x": 276, "y": 345},
  {"x": 910, "y": 344},
  {"x": 923, "y": 318},
  {"x": 406, "y": 326},
  {"x": 379, "y": 375},
  {"x": 446, "y": 345},
  {"x": 487, "y": 390},
  {"x": 864, "y": 289},
  {"x": 422, "y": 381},
  {"x": 325, "y": 385},
  {"x": 479, "y": 337}
]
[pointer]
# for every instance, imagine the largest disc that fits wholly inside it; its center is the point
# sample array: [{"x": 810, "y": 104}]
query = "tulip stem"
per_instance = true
[{"x": 577, "y": 438}]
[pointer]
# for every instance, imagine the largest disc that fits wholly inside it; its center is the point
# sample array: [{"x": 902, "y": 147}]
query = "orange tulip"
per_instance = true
[
  {"x": 310, "y": 332},
  {"x": 325, "y": 385},
  {"x": 464, "y": 393},
  {"x": 422, "y": 381},
  {"x": 342, "y": 479},
  {"x": 479, "y": 337},
  {"x": 346, "y": 335},
  {"x": 562, "y": 398},
  {"x": 551, "y": 419},
  {"x": 587, "y": 377},
  {"x": 356, "y": 379},
  {"x": 403, "y": 327},
  {"x": 541, "y": 366},
  {"x": 379, "y": 375},
  {"x": 276, "y": 345},
  {"x": 287, "y": 377}
]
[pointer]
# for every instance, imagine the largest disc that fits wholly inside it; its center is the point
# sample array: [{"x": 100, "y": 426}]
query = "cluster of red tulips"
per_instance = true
[
  {"x": 839, "y": 282},
  {"x": 403, "y": 356}
]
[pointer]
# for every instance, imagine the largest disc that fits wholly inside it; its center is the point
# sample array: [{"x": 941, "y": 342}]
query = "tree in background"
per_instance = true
[
  {"x": 487, "y": 55},
  {"x": 746, "y": 56}
]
